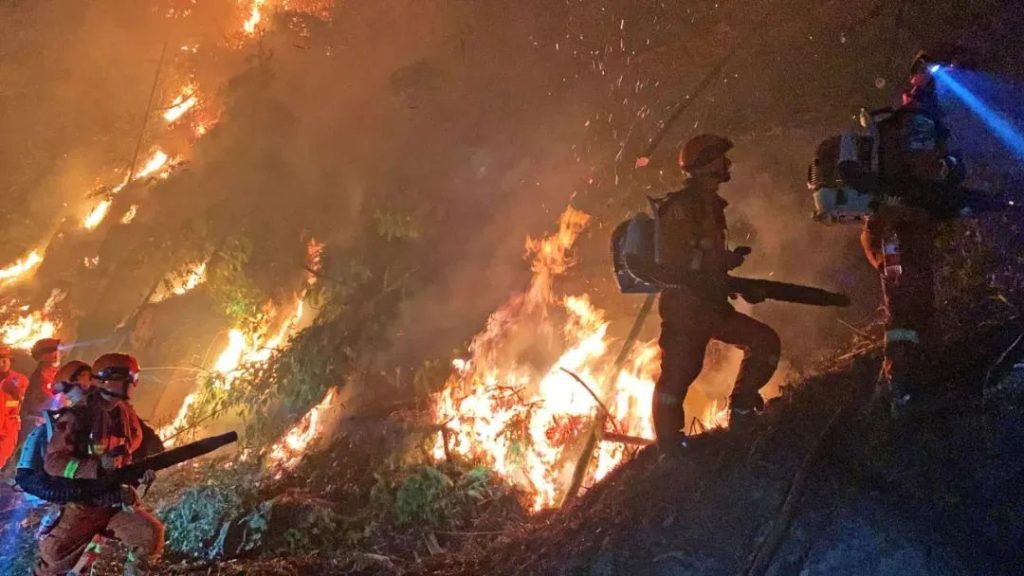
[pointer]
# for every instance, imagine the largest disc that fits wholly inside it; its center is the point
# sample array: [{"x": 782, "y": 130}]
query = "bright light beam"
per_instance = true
[{"x": 997, "y": 122}]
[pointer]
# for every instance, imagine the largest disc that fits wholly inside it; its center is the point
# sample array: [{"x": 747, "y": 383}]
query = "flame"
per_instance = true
[
  {"x": 91, "y": 262},
  {"x": 254, "y": 17},
  {"x": 313, "y": 427},
  {"x": 181, "y": 104},
  {"x": 97, "y": 214},
  {"x": 21, "y": 267},
  {"x": 180, "y": 283},
  {"x": 513, "y": 407},
  {"x": 243, "y": 349},
  {"x": 130, "y": 214},
  {"x": 716, "y": 415},
  {"x": 156, "y": 162},
  {"x": 28, "y": 326}
]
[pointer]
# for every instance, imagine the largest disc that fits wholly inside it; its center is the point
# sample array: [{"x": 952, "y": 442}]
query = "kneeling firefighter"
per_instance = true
[{"x": 91, "y": 439}]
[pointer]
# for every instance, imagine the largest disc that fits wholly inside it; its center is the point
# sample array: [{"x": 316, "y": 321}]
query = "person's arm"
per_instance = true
[
  {"x": 62, "y": 460},
  {"x": 14, "y": 385}
]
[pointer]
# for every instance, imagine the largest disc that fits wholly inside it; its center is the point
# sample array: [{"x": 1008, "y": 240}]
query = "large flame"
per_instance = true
[
  {"x": 514, "y": 404},
  {"x": 26, "y": 326}
]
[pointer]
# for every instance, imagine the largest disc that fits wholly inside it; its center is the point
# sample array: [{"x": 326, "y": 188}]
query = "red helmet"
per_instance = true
[
  {"x": 116, "y": 373},
  {"x": 67, "y": 376},
  {"x": 45, "y": 350},
  {"x": 702, "y": 150}
]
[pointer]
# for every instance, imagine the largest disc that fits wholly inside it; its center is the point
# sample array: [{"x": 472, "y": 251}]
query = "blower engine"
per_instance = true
[{"x": 841, "y": 174}]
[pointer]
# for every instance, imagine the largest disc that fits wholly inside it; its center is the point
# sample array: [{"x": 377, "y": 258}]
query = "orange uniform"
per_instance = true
[
  {"x": 12, "y": 392},
  {"x": 82, "y": 435},
  {"x": 692, "y": 237}
]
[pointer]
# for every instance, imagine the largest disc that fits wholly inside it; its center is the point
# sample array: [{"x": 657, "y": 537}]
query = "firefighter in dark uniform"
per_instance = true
[
  {"x": 691, "y": 245},
  {"x": 899, "y": 238}
]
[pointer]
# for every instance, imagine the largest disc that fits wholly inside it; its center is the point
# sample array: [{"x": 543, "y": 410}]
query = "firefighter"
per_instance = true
[
  {"x": 899, "y": 239},
  {"x": 102, "y": 434},
  {"x": 12, "y": 392},
  {"x": 72, "y": 382},
  {"x": 691, "y": 244},
  {"x": 39, "y": 396}
]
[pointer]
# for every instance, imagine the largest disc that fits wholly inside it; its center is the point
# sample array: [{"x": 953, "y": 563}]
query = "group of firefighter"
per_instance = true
[
  {"x": 76, "y": 422},
  {"x": 898, "y": 239}
]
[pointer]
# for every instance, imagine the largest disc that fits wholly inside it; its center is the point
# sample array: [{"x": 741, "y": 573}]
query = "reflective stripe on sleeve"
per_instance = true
[{"x": 72, "y": 467}]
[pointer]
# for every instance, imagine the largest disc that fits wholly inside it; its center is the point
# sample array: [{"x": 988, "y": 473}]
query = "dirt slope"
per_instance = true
[{"x": 938, "y": 494}]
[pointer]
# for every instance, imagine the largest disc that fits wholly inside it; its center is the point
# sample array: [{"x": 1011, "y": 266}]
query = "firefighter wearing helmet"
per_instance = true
[
  {"x": 691, "y": 242},
  {"x": 899, "y": 239},
  {"x": 73, "y": 381},
  {"x": 39, "y": 397},
  {"x": 12, "y": 391},
  {"x": 101, "y": 434}
]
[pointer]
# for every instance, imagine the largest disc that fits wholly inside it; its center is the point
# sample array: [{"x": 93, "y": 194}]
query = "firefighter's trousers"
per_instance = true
[
  {"x": 9, "y": 427},
  {"x": 909, "y": 300},
  {"x": 138, "y": 529},
  {"x": 688, "y": 324}
]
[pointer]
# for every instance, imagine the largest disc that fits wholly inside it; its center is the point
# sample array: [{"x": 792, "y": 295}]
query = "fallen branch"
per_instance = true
[
  {"x": 597, "y": 427},
  {"x": 625, "y": 439}
]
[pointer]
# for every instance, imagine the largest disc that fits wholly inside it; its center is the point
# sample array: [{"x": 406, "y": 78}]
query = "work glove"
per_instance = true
[
  {"x": 129, "y": 497},
  {"x": 738, "y": 256}
]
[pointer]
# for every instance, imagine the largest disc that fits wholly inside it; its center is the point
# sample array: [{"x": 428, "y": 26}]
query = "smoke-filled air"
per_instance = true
[{"x": 427, "y": 287}]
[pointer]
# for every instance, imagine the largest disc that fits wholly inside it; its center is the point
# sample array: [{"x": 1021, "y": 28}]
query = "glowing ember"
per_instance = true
[
  {"x": 512, "y": 406},
  {"x": 180, "y": 283},
  {"x": 254, "y": 17},
  {"x": 21, "y": 267},
  {"x": 181, "y": 104},
  {"x": 130, "y": 214},
  {"x": 95, "y": 216}
]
